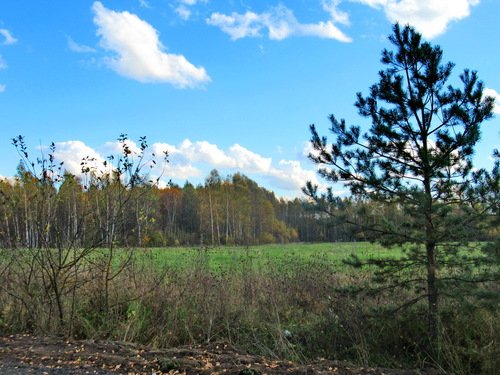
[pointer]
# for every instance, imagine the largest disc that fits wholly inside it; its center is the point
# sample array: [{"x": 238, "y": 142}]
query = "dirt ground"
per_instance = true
[{"x": 25, "y": 354}]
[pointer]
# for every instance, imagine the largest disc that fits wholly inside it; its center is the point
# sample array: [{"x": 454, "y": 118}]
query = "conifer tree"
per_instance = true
[{"x": 417, "y": 155}]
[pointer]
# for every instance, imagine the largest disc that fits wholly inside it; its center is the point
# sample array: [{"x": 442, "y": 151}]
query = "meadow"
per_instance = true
[
  {"x": 227, "y": 258},
  {"x": 296, "y": 301}
]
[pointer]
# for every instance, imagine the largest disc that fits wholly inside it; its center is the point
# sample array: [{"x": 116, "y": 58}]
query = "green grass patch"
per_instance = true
[{"x": 260, "y": 256}]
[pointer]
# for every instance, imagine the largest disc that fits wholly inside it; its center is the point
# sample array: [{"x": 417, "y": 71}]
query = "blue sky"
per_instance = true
[{"x": 225, "y": 84}]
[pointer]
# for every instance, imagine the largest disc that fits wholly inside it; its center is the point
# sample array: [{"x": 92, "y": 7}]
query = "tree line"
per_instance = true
[
  {"x": 117, "y": 204},
  {"x": 233, "y": 210}
]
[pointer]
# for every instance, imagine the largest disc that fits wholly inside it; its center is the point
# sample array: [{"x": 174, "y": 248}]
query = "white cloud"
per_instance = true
[
  {"x": 237, "y": 25},
  {"x": 373, "y": 3},
  {"x": 116, "y": 147},
  {"x": 199, "y": 152},
  {"x": 192, "y": 2},
  {"x": 144, "y": 4},
  {"x": 495, "y": 95},
  {"x": 286, "y": 175},
  {"x": 331, "y": 6},
  {"x": 280, "y": 23},
  {"x": 178, "y": 167},
  {"x": 192, "y": 161},
  {"x": 237, "y": 158},
  {"x": 73, "y": 152},
  {"x": 183, "y": 12},
  {"x": 139, "y": 54},
  {"x": 184, "y": 8},
  {"x": 290, "y": 175},
  {"x": 181, "y": 172},
  {"x": 249, "y": 161},
  {"x": 429, "y": 17},
  {"x": 308, "y": 149},
  {"x": 79, "y": 48},
  {"x": 8, "y": 38}
]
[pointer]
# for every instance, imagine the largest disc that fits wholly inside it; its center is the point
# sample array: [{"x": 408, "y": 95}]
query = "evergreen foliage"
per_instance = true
[{"x": 417, "y": 157}]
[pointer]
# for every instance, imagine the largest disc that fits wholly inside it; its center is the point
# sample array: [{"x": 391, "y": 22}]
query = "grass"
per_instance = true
[
  {"x": 229, "y": 257},
  {"x": 250, "y": 296}
]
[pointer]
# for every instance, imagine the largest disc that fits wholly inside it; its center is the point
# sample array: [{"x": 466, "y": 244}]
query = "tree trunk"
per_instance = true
[
  {"x": 211, "y": 218},
  {"x": 8, "y": 240},
  {"x": 432, "y": 296},
  {"x": 227, "y": 218}
]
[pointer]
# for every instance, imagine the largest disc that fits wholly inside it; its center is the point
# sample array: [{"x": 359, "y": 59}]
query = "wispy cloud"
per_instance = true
[
  {"x": 79, "y": 48},
  {"x": 338, "y": 16},
  {"x": 429, "y": 17},
  {"x": 7, "y": 37},
  {"x": 3, "y": 64},
  {"x": 184, "y": 8},
  {"x": 495, "y": 95},
  {"x": 192, "y": 2},
  {"x": 280, "y": 23},
  {"x": 138, "y": 52},
  {"x": 183, "y": 12}
]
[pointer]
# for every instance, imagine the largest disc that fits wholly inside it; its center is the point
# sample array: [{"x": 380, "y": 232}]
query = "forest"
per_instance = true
[{"x": 232, "y": 210}]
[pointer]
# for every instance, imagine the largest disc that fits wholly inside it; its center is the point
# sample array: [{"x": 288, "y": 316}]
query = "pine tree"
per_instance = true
[{"x": 416, "y": 155}]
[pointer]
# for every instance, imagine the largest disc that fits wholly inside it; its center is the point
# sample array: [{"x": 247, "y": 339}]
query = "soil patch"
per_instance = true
[{"x": 26, "y": 354}]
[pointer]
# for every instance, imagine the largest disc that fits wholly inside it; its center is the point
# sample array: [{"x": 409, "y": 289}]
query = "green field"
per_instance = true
[{"x": 231, "y": 257}]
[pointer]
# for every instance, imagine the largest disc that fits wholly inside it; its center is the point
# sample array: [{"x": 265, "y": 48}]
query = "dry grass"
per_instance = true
[{"x": 293, "y": 309}]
